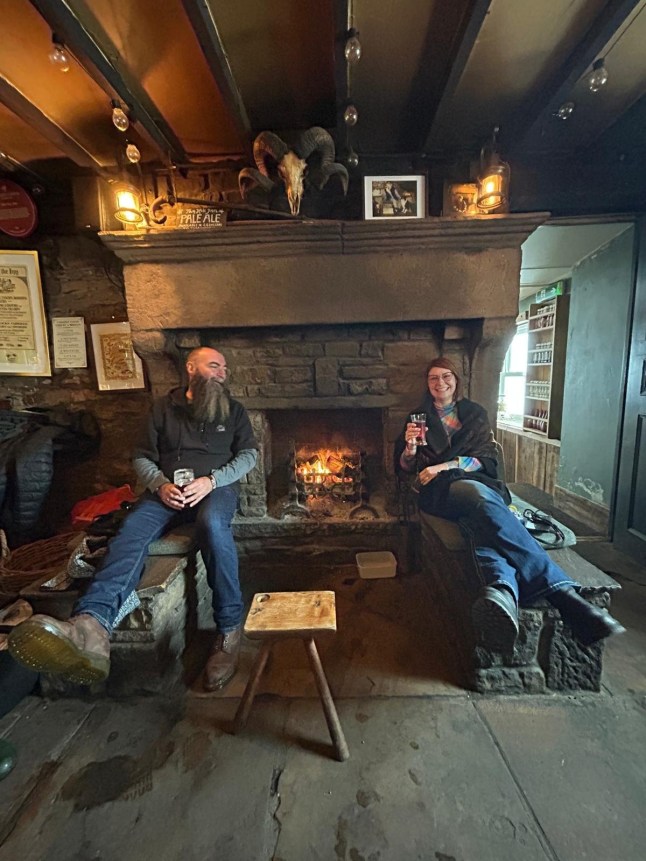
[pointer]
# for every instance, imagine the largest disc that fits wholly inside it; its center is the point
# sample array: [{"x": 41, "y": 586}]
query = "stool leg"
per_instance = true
[
  {"x": 331, "y": 716},
  {"x": 242, "y": 714}
]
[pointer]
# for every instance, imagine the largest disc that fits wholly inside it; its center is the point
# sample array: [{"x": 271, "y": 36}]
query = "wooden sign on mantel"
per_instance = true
[{"x": 200, "y": 217}]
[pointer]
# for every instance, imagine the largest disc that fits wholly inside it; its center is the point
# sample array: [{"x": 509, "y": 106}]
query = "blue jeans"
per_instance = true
[
  {"x": 124, "y": 561},
  {"x": 506, "y": 553}
]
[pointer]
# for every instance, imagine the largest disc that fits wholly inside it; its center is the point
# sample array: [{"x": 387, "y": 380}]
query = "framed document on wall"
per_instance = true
[
  {"x": 23, "y": 326},
  {"x": 117, "y": 364}
]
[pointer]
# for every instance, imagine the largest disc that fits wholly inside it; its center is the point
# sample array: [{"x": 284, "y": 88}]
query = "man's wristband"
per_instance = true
[{"x": 213, "y": 482}]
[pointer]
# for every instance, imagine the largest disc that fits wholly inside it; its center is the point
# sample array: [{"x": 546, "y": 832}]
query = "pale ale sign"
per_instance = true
[{"x": 201, "y": 217}]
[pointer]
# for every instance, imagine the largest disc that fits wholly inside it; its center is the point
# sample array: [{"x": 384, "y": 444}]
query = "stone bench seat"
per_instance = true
[
  {"x": 148, "y": 647},
  {"x": 546, "y": 655}
]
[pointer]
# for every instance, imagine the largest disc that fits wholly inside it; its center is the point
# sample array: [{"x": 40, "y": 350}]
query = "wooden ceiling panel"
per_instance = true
[
  {"x": 595, "y": 112},
  {"x": 160, "y": 49},
  {"x": 72, "y": 100},
  {"x": 282, "y": 57},
  {"x": 393, "y": 35},
  {"x": 519, "y": 47}
]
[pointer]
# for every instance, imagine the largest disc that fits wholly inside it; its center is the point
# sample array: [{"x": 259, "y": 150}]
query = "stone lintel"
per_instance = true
[{"x": 271, "y": 239}]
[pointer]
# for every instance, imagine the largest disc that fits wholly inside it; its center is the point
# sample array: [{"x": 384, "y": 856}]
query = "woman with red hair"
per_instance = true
[{"x": 456, "y": 466}]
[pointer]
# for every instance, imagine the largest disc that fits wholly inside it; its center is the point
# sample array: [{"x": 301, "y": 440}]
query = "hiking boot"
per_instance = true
[
  {"x": 77, "y": 650},
  {"x": 223, "y": 662},
  {"x": 589, "y": 624},
  {"x": 495, "y": 619}
]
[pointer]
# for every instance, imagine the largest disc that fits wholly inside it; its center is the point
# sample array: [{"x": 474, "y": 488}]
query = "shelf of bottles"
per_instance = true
[{"x": 540, "y": 353}]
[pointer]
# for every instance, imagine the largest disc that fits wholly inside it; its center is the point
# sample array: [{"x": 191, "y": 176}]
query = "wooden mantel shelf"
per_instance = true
[{"x": 278, "y": 239}]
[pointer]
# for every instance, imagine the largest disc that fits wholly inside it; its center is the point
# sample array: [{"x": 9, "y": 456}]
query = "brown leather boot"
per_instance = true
[
  {"x": 78, "y": 650},
  {"x": 223, "y": 662}
]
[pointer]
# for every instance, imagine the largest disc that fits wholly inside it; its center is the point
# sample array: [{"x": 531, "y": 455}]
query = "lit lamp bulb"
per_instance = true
[
  {"x": 493, "y": 181},
  {"x": 350, "y": 115},
  {"x": 598, "y": 77},
  {"x": 59, "y": 58},
  {"x": 353, "y": 47},
  {"x": 565, "y": 111},
  {"x": 132, "y": 153},
  {"x": 128, "y": 207},
  {"x": 119, "y": 117}
]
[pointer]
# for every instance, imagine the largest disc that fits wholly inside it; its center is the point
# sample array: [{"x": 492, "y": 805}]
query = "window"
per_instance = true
[{"x": 511, "y": 392}]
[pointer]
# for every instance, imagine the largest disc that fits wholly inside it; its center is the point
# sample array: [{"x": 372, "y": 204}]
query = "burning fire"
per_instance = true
[{"x": 325, "y": 467}]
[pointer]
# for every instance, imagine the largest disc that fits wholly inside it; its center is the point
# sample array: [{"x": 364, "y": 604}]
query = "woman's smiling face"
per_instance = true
[{"x": 442, "y": 385}]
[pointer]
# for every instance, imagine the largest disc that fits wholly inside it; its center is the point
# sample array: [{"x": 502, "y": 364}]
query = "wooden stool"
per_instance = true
[{"x": 279, "y": 615}]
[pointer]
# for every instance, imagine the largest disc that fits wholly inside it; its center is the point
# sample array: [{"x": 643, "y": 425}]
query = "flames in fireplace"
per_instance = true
[{"x": 327, "y": 471}]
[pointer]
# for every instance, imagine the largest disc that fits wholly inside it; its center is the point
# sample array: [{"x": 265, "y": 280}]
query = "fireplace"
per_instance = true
[
  {"x": 328, "y": 328},
  {"x": 326, "y": 463}
]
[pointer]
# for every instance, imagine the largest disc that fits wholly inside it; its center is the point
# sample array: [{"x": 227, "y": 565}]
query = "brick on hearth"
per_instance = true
[
  {"x": 367, "y": 372},
  {"x": 342, "y": 348},
  {"x": 367, "y": 387},
  {"x": 372, "y": 350},
  {"x": 293, "y": 375}
]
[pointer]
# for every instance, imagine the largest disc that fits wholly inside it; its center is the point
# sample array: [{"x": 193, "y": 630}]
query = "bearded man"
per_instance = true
[{"x": 200, "y": 429}]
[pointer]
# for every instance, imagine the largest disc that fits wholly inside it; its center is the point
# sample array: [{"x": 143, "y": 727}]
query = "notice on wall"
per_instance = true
[{"x": 69, "y": 342}]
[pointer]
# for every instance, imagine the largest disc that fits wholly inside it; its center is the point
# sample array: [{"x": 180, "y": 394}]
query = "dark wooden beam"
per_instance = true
[
  {"x": 435, "y": 111},
  {"x": 200, "y": 14},
  {"x": 20, "y": 105},
  {"x": 560, "y": 86},
  {"x": 86, "y": 39},
  {"x": 9, "y": 164}
]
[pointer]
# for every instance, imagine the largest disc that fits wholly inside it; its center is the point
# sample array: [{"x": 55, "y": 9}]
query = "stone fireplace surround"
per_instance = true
[{"x": 327, "y": 315}]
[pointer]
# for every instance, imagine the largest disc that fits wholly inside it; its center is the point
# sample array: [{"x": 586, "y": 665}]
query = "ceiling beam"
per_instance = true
[
  {"x": 559, "y": 88},
  {"x": 91, "y": 46},
  {"x": 434, "y": 114},
  {"x": 9, "y": 164},
  {"x": 200, "y": 14},
  {"x": 20, "y": 105}
]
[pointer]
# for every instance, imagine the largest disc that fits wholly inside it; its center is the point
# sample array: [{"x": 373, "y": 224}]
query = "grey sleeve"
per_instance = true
[
  {"x": 242, "y": 463},
  {"x": 148, "y": 473}
]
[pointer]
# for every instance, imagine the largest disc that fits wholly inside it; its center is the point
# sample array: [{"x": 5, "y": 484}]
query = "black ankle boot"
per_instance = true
[{"x": 589, "y": 624}]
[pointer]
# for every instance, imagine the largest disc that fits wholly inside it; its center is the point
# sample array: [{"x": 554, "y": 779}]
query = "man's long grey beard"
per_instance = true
[{"x": 210, "y": 400}]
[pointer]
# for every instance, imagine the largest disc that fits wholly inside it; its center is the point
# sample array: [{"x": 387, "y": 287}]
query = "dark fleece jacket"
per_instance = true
[{"x": 173, "y": 439}]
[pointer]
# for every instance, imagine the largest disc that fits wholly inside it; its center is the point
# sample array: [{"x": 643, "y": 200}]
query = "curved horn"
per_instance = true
[
  {"x": 249, "y": 178},
  {"x": 268, "y": 144},
  {"x": 339, "y": 170},
  {"x": 317, "y": 140}
]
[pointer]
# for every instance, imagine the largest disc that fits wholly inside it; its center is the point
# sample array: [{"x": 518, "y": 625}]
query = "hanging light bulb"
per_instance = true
[
  {"x": 132, "y": 153},
  {"x": 353, "y": 47},
  {"x": 565, "y": 111},
  {"x": 350, "y": 115},
  {"x": 598, "y": 77},
  {"x": 119, "y": 117},
  {"x": 58, "y": 56},
  {"x": 352, "y": 159}
]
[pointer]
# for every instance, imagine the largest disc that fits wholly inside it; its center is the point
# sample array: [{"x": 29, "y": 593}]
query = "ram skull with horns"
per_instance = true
[{"x": 313, "y": 154}]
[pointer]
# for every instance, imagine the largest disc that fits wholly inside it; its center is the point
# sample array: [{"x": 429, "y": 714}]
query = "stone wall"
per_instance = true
[{"x": 80, "y": 278}]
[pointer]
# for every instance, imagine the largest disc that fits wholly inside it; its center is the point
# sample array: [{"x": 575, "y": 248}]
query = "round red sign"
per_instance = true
[{"x": 18, "y": 215}]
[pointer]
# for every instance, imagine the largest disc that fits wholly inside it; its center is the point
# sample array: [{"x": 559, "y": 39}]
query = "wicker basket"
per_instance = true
[{"x": 32, "y": 561}]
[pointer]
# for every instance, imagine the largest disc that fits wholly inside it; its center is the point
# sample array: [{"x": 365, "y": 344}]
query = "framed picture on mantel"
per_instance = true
[{"x": 394, "y": 197}]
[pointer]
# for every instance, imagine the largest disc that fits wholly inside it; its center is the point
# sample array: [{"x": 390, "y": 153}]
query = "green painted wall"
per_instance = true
[{"x": 596, "y": 354}]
